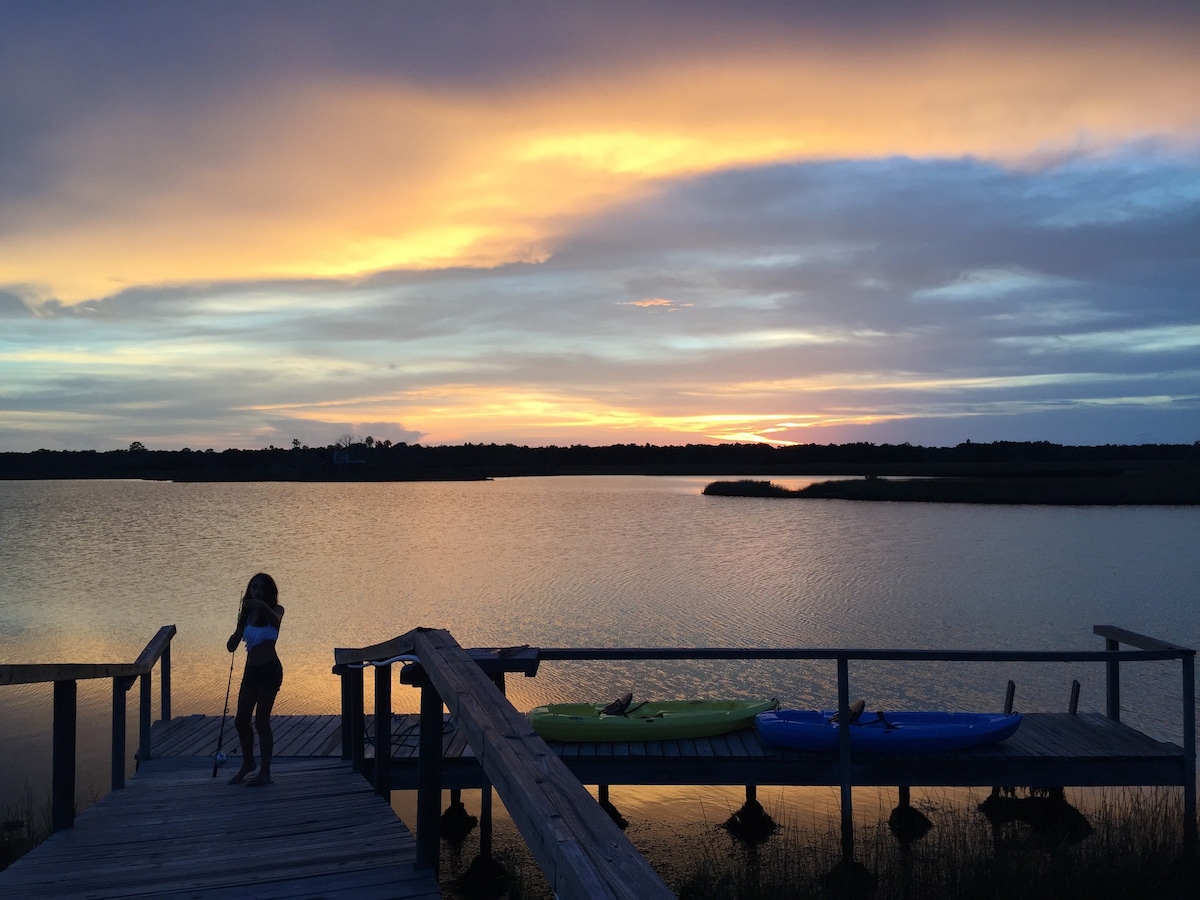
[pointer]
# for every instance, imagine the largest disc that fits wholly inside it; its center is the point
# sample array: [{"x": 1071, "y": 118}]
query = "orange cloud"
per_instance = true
[
  {"x": 342, "y": 177},
  {"x": 652, "y": 302}
]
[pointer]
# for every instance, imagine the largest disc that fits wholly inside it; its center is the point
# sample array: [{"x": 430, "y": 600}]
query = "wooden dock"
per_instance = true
[
  {"x": 1049, "y": 750},
  {"x": 175, "y": 831},
  {"x": 322, "y": 830},
  {"x": 325, "y": 830}
]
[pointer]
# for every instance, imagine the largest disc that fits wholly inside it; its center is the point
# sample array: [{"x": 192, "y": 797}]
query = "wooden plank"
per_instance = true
[
  {"x": 326, "y": 728},
  {"x": 456, "y": 745},
  {"x": 578, "y": 847},
  {"x": 293, "y": 733},
  {"x": 166, "y": 736},
  {"x": 174, "y": 832},
  {"x": 719, "y": 744},
  {"x": 406, "y": 736}
]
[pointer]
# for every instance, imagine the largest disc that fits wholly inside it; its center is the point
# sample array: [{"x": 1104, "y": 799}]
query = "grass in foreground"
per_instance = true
[
  {"x": 20, "y": 830},
  {"x": 1133, "y": 848},
  {"x": 1128, "y": 844}
]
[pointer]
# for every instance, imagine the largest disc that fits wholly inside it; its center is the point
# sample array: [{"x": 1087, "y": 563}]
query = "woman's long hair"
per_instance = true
[{"x": 270, "y": 590}]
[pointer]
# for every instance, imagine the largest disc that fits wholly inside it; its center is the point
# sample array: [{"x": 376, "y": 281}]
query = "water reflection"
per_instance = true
[{"x": 91, "y": 570}]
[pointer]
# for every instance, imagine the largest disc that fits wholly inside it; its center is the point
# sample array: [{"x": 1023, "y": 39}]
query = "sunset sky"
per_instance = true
[{"x": 232, "y": 224}]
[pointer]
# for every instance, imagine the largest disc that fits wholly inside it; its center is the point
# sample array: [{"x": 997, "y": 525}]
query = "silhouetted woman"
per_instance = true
[{"x": 258, "y": 624}]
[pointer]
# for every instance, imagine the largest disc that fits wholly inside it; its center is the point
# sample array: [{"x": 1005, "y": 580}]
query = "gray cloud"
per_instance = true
[
  {"x": 901, "y": 270},
  {"x": 1056, "y": 301}
]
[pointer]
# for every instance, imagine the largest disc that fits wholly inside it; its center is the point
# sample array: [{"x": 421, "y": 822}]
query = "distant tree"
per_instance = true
[
  {"x": 136, "y": 447},
  {"x": 295, "y": 443}
]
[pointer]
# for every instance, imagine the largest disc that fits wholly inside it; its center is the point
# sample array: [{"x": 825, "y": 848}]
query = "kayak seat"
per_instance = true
[
  {"x": 887, "y": 726},
  {"x": 618, "y": 707},
  {"x": 856, "y": 711}
]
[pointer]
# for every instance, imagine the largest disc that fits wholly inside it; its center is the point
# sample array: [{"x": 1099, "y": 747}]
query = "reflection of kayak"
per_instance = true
[
  {"x": 645, "y": 721},
  {"x": 886, "y": 732}
]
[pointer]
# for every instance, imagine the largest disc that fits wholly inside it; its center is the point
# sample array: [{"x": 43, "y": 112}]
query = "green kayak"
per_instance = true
[{"x": 624, "y": 720}]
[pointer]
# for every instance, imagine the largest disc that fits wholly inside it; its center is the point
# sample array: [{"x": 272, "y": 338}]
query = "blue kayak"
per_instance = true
[{"x": 884, "y": 732}]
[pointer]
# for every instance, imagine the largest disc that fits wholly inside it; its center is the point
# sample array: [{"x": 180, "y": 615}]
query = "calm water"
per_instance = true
[{"x": 90, "y": 570}]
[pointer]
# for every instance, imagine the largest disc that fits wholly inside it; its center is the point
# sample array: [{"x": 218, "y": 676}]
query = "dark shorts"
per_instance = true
[{"x": 265, "y": 675}]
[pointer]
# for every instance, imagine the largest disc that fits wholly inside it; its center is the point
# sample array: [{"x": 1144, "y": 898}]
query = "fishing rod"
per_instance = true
[{"x": 220, "y": 758}]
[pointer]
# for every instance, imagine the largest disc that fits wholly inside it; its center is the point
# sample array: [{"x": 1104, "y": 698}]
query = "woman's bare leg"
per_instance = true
[
  {"x": 247, "y": 696},
  {"x": 266, "y": 738}
]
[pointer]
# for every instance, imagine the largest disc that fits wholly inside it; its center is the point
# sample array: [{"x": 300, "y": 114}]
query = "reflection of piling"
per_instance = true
[
  {"x": 1043, "y": 818},
  {"x": 456, "y": 823},
  {"x": 484, "y": 879},
  {"x": 750, "y": 824},
  {"x": 905, "y": 823},
  {"x": 850, "y": 880}
]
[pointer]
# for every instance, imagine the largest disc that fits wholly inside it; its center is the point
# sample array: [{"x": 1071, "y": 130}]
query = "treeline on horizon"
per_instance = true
[{"x": 383, "y": 460}]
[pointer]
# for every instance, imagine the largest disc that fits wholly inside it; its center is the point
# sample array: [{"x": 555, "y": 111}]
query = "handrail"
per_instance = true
[
  {"x": 65, "y": 676},
  {"x": 41, "y": 673},
  {"x": 1133, "y": 639},
  {"x": 579, "y": 848},
  {"x": 1148, "y": 649},
  {"x": 643, "y": 653}
]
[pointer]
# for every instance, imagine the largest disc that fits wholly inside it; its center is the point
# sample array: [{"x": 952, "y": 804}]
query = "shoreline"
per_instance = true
[
  {"x": 367, "y": 462},
  {"x": 1144, "y": 487}
]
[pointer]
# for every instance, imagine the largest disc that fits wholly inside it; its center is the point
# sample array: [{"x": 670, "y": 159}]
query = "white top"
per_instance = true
[{"x": 259, "y": 634}]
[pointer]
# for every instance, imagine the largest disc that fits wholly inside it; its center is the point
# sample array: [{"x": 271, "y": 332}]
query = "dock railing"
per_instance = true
[
  {"x": 526, "y": 660},
  {"x": 65, "y": 677},
  {"x": 1112, "y": 656},
  {"x": 578, "y": 847}
]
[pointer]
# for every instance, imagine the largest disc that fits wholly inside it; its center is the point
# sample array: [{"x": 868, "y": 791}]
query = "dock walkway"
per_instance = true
[
  {"x": 175, "y": 831},
  {"x": 1050, "y": 749}
]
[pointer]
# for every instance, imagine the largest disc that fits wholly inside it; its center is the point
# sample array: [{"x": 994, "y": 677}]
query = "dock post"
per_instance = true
[
  {"x": 144, "y": 718},
  {"x": 121, "y": 687},
  {"x": 607, "y": 806},
  {"x": 429, "y": 778},
  {"x": 1189, "y": 755},
  {"x": 344, "y": 681},
  {"x": 1112, "y": 675},
  {"x": 164, "y": 675},
  {"x": 62, "y": 809},
  {"x": 843, "y": 672},
  {"x": 485, "y": 819},
  {"x": 357, "y": 729},
  {"x": 485, "y": 794},
  {"x": 383, "y": 730}
]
